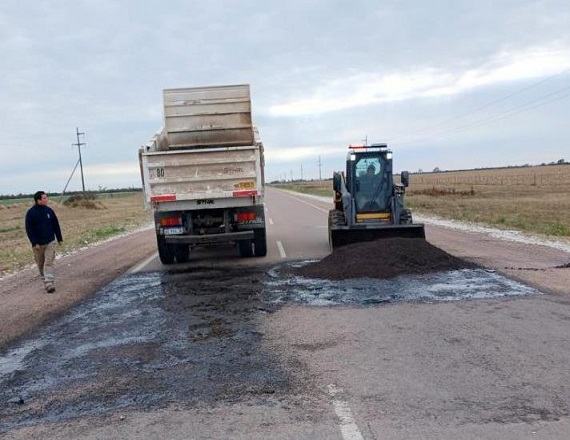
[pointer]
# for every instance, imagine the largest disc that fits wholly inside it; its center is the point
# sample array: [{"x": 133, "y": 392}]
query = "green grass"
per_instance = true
[
  {"x": 8, "y": 202},
  {"x": 10, "y": 229},
  {"x": 101, "y": 234},
  {"x": 317, "y": 190}
]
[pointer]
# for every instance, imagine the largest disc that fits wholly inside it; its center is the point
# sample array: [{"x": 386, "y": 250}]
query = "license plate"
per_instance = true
[{"x": 174, "y": 231}]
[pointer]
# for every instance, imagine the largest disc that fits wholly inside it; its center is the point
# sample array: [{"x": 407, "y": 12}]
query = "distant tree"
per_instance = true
[
  {"x": 561, "y": 161},
  {"x": 436, "y": 170}
]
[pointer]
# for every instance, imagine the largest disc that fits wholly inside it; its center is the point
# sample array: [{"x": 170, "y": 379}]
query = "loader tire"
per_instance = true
[
  {"x": 165, "y": 251},
  {"x": 336, "y": 218},
  {"x": 406, "y": 217}
]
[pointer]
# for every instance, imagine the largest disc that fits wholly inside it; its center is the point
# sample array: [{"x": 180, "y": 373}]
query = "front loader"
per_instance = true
[{"x": 368, "y": 205}]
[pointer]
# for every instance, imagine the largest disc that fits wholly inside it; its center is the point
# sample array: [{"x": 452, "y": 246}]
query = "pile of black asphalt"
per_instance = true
[{"x": 383, "y": 258}]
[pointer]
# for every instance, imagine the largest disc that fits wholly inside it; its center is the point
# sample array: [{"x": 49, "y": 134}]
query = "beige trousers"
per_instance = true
[{"x": 45, "y": 258}]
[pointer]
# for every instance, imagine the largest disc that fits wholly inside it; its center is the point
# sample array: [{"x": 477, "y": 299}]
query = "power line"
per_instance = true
[
  {"x": 490, "y": 119},
  {"x": 513, "y": 112},
  {"x": 480, "y": 108}
]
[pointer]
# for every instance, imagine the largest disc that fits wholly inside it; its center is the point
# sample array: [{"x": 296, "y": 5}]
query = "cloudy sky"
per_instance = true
[{"x": 453, "y": 85}]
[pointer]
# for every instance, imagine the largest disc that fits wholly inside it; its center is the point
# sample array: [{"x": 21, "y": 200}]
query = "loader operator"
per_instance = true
[{"x": 368, "y": 186}]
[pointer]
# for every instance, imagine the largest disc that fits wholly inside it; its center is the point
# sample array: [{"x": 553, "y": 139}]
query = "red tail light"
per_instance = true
[
  {"x": 245, "y": 216},
  {"x": 171, "y": 221}
]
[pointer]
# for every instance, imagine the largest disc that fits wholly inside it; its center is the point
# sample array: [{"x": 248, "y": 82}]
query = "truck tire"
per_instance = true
[
  {"x": 165, "y": 251},
  {"x": 181, "y": 252},
  {"x": 245, "y": 248},
  {"x": 260, "y": 242}
]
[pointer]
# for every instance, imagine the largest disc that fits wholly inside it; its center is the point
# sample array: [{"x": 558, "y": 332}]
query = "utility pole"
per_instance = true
[
  {"x": 320, "y": 178},
  {"x": 79, "y": 145},
  {"x": 301, "y": 172}
]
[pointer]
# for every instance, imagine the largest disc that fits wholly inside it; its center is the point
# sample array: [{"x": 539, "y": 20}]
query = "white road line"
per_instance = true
[
  {"x": 348, "y": 427},
  {"x": 139, "y": 266},
  {"x": 281, "y": 250}
]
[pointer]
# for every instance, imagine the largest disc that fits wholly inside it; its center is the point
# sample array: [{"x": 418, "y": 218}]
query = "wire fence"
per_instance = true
[{"x": 526, "y": 176}]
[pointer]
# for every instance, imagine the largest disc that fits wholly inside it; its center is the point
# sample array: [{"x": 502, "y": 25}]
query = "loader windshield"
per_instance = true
[{"x": 370, "y": 191}]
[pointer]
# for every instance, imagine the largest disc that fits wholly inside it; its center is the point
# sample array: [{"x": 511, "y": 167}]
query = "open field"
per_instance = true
[
  {"x": 531, "y": 199},
  {"x": 80, "y": 226}
]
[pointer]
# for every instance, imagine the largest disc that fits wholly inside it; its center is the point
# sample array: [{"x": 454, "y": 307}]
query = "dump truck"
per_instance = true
[
  {"x": 203, "y": 173},
  {"x": 368, "y": 205}
]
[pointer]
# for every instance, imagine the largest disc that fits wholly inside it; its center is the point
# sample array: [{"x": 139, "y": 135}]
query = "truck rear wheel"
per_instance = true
[
  {"x": 260, "y": 242},
  {"x": 245, "y": 248},
  {"x": 165, "y": 251}
]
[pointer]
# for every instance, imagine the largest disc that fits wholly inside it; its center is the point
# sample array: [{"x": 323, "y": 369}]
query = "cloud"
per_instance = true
[
  {"x": 103, "y": 175},
  {"x": 322, "y": 75},
  {"x": 297, "y": 153},
  {"x": 364, "y": 89}
]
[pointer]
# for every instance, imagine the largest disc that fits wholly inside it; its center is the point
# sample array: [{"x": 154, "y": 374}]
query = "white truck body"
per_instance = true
[{"x": 203, "y": 173}]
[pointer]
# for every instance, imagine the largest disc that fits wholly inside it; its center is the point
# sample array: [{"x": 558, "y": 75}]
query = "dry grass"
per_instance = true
[
  {"x": 115, "y": 213},
  {"x": 532, "y": 199}
]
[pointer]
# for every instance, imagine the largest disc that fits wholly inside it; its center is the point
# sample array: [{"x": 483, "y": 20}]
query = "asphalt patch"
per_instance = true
[
  {"x": 187, "y": 337},
  {"x": 383, "y": 258},
  {"x": 190, "y": 337}
]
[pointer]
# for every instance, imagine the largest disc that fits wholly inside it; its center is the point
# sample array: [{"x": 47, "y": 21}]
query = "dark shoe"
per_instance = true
[{"x": 50, "y": 289}]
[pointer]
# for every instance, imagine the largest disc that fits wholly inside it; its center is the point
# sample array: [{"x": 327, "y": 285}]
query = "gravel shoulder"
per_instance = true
[{"x": 541, "y": 266}]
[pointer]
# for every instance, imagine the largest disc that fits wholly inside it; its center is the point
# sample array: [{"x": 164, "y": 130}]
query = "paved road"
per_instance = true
[{"x": 478, "y": 369}]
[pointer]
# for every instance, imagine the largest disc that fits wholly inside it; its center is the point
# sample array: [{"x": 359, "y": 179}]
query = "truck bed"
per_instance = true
[{"x": 206, "y": 116}]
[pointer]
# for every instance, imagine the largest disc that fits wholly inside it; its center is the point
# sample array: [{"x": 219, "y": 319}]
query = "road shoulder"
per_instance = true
[{"x": 25, "y": 304}]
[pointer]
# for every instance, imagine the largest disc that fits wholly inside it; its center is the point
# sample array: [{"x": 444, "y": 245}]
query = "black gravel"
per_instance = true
[{"x": 384, "y": 258}]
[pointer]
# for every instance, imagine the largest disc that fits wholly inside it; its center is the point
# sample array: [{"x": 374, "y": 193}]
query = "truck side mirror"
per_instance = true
[{"x": 405, "y": 178}]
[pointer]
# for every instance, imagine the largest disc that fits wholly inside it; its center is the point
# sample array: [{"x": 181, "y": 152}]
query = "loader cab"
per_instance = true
[{"x": 369, "y": 178}]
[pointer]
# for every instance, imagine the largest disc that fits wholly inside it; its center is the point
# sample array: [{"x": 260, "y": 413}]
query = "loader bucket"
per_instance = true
[{"x": 341, "y": 236}]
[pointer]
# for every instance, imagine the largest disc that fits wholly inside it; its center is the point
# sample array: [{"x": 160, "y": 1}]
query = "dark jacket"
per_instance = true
[{"x": 42, "y": 225}]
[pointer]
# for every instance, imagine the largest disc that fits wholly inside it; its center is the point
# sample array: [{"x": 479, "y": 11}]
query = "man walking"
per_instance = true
[{"x": 43, "y": 229}]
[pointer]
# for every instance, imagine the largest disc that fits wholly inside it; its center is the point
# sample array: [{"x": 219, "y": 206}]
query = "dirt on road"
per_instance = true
[
  {"x": 25, "y": 304},
  {"x": 384, "y": 258}
]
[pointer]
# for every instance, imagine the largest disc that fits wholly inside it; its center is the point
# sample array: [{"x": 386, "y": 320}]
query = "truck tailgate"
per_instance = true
[{"x": 206, "y": 173}]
